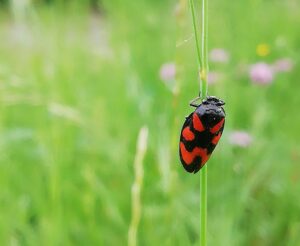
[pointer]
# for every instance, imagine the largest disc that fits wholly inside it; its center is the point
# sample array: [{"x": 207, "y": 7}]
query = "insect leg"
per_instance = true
[{"x": 193, "y": 102}]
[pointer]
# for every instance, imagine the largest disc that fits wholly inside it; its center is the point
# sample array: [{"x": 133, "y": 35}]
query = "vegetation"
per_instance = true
[{"x": 76, "y": 87}]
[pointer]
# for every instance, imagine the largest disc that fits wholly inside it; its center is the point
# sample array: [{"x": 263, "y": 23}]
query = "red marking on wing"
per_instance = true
[
  {"x": 216, "y": 139},
  {"x": 218, "y": 126},
  {"x": 188, "y": 157},
  {"x": 188, "y": 134},
  {"x": 197, "y": 123}
]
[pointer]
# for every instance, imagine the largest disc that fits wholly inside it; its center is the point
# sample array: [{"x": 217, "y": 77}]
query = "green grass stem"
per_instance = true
[
  {"x": 203, "y": 71},
  {"x": 204, "y": 88},
  {"x": 137, "y": 186}
]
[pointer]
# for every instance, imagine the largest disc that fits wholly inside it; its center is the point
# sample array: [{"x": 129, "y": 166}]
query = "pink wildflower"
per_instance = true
[
  {"x": 240, "y": 138},
  {"x": 283, "y": 65},
  {"x": 219, "y": 55},
  {"x": 167, "y": 72},
  {"x": 213, "y": 77},
  {"x": 261, "y": 73}
]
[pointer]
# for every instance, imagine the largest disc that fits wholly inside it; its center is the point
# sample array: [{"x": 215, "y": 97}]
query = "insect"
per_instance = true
[{"x": 201, "y": 133}]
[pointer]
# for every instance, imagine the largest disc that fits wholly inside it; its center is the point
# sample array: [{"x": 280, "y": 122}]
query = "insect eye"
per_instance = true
[{"x": 220, "y": 103}]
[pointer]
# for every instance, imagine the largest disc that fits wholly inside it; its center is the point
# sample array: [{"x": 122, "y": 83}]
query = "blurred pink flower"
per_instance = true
[
  {"x": 283, "y": 65},
  {"x": 261, "y": 73},
  {"x": 167, "y": 72},
  {"x": 219, "y": 55},
  {"x": 240, "y": 138},
  {"x": 213, "y": 77}
]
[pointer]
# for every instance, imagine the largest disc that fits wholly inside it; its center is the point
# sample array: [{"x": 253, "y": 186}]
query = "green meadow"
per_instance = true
[{"x": 79, "y": 80}]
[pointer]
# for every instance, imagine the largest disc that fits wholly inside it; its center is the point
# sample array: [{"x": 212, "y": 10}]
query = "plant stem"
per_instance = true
[
  {"x": 203, "y": 71},
  {"x": 203, "y": 79},
  {"x": 196, "y": 35},
  {"x": 202, "y": 54},
  {"x": 136, "y": 188},
  {"x": 203, "y": 205},
  {"x": 204, "y": 63}
]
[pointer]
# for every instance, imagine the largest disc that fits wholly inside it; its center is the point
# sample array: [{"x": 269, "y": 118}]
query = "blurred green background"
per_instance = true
[{"x": 78, "y": 79}]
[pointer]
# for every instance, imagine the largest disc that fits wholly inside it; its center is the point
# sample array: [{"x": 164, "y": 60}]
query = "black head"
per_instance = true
[
  {"x": 211, "y": 111},
  {"x": 213, "y": 100}
]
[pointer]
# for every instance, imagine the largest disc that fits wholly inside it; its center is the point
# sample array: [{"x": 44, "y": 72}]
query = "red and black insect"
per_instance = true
[{"x": 200, "y": 133}]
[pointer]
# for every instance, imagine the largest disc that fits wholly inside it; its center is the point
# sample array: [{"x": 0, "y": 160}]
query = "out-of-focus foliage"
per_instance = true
[{"x": 76, "y": 86}]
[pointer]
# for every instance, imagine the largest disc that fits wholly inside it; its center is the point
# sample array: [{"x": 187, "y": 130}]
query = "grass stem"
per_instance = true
[
  {"x": 203, "y": 93},
  {"x": 137, "y": 186},
  {"x": 203, "y": 71},
  {"x": 204, "y": 49},
  {"x": 196, "y": 34},
  {"x": 203, "y": 205}
]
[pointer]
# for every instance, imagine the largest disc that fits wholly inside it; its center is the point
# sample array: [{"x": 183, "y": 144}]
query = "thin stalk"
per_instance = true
[
  {"x": 202, "y": 54},
  {"x": 203, "y": 71},
  {"x": 203, "y": 205},
  {"x": 196, "y": 35},
  {"x": 204, "y": 49},
  {"x": 136, "y": 188},
  {"x": 203, "y": 84}
]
